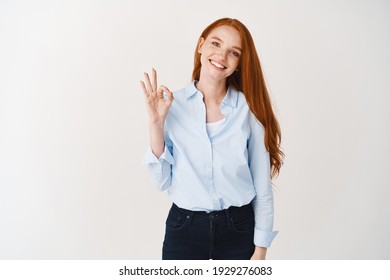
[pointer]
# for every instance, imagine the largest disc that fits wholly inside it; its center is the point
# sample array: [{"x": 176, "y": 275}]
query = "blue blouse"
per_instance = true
[{"x": 208, "y": 173}]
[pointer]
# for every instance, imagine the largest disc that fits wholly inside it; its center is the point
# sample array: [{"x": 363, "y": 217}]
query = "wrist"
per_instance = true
[
  {"x": 156, "y": 123},
  {"x": 260, "y": 251}
]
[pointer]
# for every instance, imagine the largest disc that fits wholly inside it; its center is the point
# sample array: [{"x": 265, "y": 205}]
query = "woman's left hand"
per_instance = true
[{"x": 259, "y": 253}]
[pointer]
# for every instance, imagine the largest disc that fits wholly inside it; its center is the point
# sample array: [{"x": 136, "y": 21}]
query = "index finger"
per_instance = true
[{"x": 154, "y": 79}]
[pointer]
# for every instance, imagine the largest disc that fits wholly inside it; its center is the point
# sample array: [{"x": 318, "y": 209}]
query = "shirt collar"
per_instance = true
[{"x": 230, "y": 99}]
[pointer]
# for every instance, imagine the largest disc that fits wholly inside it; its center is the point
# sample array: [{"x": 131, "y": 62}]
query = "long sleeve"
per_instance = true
[
  {"x": 263, "y": 203},
  {"x": 160, "y": 169}
]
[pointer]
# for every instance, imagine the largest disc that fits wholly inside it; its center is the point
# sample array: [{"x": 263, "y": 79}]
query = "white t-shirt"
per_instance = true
[{"x": 214, "y": 127}]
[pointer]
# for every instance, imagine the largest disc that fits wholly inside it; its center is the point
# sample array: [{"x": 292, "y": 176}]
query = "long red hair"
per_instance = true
[{"x": 249, "y": 80}]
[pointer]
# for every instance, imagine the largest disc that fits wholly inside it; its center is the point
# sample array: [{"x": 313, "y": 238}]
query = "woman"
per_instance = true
[{"x": 213, "y": 147}]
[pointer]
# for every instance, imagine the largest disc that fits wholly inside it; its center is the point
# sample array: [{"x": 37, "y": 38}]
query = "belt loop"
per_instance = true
[{"x": 228, "y": 219}]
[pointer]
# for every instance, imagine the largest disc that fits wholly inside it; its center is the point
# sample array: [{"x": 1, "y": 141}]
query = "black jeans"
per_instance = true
[{"x": 219, "y": 235}]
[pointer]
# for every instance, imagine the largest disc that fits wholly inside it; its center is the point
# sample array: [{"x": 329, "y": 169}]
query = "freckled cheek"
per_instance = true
[
  {"x": 204, "y": 56},
  {"x": 203, "y": 60},
  {"x": 234, "y": 63}
]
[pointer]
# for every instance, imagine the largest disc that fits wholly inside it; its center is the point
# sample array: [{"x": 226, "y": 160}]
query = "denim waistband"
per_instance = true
[{"x": 231, "y": 211}]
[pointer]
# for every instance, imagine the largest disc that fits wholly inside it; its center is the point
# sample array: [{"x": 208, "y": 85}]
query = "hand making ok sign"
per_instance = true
[{"x": 156, "y": 105}]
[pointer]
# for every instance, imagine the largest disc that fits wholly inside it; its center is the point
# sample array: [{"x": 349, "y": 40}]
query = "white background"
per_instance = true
[{"x": 73, "y": 125}]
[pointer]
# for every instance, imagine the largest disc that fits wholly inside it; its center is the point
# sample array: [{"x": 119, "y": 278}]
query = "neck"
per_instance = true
[{"x": 213, "y": 91}]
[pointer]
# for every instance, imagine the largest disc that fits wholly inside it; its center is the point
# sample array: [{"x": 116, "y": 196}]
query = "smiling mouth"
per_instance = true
[{"x": 216, "y": 64}]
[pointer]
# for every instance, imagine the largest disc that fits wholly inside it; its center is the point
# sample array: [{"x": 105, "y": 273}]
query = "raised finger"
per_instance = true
[
  {"x": 148, "y": 84},
  {"x": 154, "y": 79},
  {"x": 144, "y": 89}
]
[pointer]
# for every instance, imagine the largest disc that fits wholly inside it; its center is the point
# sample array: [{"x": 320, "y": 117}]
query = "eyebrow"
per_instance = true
[{"x": 234, "y": 47}]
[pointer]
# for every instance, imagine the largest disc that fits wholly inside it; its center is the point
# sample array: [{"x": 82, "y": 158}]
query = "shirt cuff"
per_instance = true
[
  {"x": 150, "y": 157},
  {"x": 264, "y": 238}
]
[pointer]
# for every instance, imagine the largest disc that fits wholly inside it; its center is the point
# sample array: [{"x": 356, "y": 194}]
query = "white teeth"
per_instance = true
[{"x": 217, "y": 64}]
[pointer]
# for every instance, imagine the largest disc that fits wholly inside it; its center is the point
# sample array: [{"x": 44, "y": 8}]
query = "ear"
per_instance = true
[{"x": 200, "y": 44}]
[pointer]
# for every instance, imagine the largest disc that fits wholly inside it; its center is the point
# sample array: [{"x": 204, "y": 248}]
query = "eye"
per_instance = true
[
  {"x": 215, "y": 44},
  {"x": 235, "y": 53}
]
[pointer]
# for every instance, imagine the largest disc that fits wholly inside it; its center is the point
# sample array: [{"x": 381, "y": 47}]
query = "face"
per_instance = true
[{"x": 220, "y": 52}]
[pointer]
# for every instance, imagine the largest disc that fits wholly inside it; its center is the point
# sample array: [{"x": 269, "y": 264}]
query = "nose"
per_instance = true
[{"x": 223, "y": 53}]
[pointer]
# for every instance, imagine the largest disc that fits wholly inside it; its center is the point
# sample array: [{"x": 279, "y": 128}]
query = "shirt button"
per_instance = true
[
  {"x": 208, "y": 165},
  {"x": 210, "y": 183}
]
